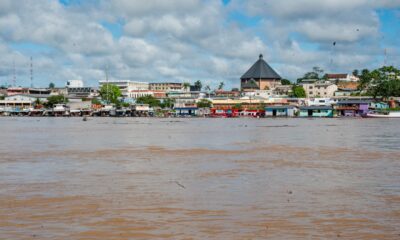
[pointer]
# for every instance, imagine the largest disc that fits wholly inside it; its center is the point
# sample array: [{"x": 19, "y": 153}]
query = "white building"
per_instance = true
[
  {"x": 343, "y": 77},
  {"x": 320, "y": 89},
  {"x": 74, "y": 84},
  {"x": 126, "y": 86},
  {"x": 320, "y": 102}
]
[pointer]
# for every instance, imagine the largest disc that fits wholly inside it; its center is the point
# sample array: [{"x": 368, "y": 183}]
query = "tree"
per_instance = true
[
  {"x": 96, "y": 101},
  {"x": 384, "y": 82},
  {"x": 167, "y": 103},
  {"x": 204, "y": 103},
  {"x": 110, "y": 93},
  {"x": 152, "y": 101},
  {"x": 186, "y": 85},
  {"x": 355, "y": 72},
  {"x": 55, "y": 99},
  {"x": 285, "y": 82},
  {"x": 208, "y": 89},
  {"x": 319, "y": 71},
  {"x": 52, "y": 85},
  {"x": 221, "y": 85},
  {"x": 198, "y": 85},
  {"x": 298, "y": 91}
]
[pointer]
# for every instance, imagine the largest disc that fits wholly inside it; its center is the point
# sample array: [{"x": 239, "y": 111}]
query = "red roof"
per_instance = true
[{"x": 336, "y": 75}]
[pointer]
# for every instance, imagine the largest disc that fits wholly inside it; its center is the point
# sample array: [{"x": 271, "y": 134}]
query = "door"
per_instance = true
[
  {"x": 310, "y": 112},
  {"x": 274, "y": 112}
]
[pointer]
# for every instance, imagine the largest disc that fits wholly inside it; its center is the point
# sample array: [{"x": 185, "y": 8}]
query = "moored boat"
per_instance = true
[{"x": 392, "y": 114}]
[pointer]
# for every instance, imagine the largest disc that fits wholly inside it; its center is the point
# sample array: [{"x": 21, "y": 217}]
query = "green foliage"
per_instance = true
[
  {"x": 382, "y": 82},
  {"x": 125, "y": 104},
  {"x": 56, "y": 99},
  {"x": 204, "y": 103},
  {"x": 167, "y": 103},
  {"x": 355, "y": 72},
  {"x": 198, "y": 85},
  {"x": 285, "y": 82},
  {"x": 96, "y": 101},
  {"x": 186, "y": 85},
  {"x": 237, "y": 106},
  {"x": 110, "y": 93},
  {"x": 52, "y": 85},
  {"x": 298, "y": 91},
  {"x": 316, "y": 73},
  {"x": 221, "y": 85},
  {"x": 152, "y": 101}
]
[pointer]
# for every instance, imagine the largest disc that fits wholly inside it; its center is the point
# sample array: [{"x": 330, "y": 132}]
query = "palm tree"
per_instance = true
[
  {"x": 221, "y": 85},
  {"x": 186, "y": 85},
  {"x": 208, "y": 89}
]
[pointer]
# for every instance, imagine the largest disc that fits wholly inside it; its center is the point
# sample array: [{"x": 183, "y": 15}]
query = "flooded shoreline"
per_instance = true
[{"x": 199, "y": 179}]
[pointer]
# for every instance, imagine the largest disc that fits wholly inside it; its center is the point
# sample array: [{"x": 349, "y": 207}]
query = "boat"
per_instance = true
[{"x": 392, "y": 114}]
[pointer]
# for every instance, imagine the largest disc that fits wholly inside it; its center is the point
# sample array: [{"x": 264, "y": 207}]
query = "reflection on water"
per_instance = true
[{"x": 138, "y": 178}]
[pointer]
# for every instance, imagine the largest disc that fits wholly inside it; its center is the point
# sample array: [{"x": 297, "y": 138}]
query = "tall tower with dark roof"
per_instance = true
[{"x": 260, "y": 76}]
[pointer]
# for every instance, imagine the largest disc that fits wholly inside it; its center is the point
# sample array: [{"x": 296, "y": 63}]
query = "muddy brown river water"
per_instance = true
[{"x": 138, "y": 178}]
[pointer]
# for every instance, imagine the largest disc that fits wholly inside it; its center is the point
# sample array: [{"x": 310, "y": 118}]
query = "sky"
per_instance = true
[{"x": 187, "y": 40}]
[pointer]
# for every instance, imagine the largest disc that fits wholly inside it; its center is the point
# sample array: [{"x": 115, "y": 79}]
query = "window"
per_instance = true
[{"x": 310, "y": 92}]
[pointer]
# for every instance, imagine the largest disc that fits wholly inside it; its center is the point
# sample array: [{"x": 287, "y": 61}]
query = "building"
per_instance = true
[
  {"x": 319, "y": 89},
  {"x": 18, "y": 101},
  {"x": 280, "y": 111},
  {"x": 341, "y": 77},
  {"x": 74, "y": 84},
  {"x": 286, "y": 90},
  {"x": 168, "y": 86},
  {"x": 17, "y": 91},
  {"x": 320, "y": 102},
  {"x": 352, "y": 108},
  {"x": 139, "y": 93},
  {"x": 260, "y": 77},
  {"x": 316, "y": 111},
  {"x": 126, "y": 86}
]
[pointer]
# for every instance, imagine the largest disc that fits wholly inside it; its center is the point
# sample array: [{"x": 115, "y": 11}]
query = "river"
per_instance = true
[{"x": 150, "y": 178}]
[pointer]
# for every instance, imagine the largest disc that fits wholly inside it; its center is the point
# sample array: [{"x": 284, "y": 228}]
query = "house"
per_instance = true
[
  {"x": 260, "y": 76},
  {"x": 319, "y": 89},
  {"x": 280, "y": 111},
  {"x": 352, "y": 108},
  {"x": 224, "y": 112},
  {"x": 283, "y": 90},
  {"x": 341, "y": 77},
  {"x": 319, "y": 102},
  {"x": 185, "y": 107},
  {"x": 316, "y": 111},
  {"x": 380, "y": 105},
  {"x": 18, "y": 101}
]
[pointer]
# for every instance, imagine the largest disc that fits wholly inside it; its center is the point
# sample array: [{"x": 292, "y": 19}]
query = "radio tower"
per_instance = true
[{"x": 31, "y": 72}]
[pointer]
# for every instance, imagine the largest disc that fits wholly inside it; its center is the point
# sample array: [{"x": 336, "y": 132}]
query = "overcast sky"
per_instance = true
[{"x": 187, "y": 40}]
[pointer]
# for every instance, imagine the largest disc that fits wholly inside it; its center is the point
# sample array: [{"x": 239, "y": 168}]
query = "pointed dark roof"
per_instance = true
[{"x": 261, "y": 69}]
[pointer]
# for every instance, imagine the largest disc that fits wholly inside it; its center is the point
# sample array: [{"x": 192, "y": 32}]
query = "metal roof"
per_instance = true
[
  {"x": 261, "y": 70},
  {"x": 316, "y": 108}
]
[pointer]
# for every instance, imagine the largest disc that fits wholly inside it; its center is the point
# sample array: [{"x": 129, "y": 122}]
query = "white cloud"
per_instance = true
[{"x": 186, "y": 40}]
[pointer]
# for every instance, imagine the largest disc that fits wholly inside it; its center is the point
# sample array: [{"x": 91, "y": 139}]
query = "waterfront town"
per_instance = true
[{"x": 262, "y": 93}]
